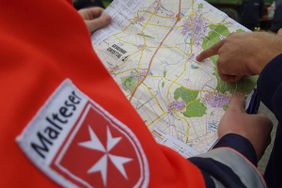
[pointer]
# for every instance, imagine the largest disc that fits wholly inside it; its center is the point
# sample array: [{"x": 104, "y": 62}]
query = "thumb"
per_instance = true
[
  {"x": 98, "y": 23},
  {"x": 237, "y": 102}
]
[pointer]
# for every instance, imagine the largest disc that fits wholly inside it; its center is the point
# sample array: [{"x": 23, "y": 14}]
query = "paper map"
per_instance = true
[{"x": 150, "y": 51}]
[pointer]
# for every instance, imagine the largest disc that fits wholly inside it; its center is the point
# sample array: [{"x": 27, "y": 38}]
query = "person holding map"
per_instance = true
[
  {"x": 94, "y": 19},
  {"x": 245, "y": 54},
  {"x": 65, "y": 121}
]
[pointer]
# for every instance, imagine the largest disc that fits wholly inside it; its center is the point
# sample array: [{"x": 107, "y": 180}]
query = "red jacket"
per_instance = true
[{"x": 42, "y": 43}]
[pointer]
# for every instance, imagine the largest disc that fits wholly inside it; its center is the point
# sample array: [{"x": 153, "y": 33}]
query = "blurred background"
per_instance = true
[{"x": 254, "y": 14}]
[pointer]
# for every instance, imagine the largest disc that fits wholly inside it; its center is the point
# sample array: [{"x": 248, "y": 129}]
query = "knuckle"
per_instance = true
[{"x": 220, "y": 50}]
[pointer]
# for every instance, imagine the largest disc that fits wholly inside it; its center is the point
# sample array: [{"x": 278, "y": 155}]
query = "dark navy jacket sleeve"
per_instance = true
[
  {"x": 270, "y": 93},
  {"x": 240, "y": 144},
  {"x": 270, "y": 86},
  {"x": 231, "y": 163}
]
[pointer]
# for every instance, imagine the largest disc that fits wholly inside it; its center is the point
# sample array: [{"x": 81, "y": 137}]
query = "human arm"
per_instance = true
[
  {"x": 95, "y": 18},
  {"x": 244, "y": 54},
  {"x": 243, "y": 139}
]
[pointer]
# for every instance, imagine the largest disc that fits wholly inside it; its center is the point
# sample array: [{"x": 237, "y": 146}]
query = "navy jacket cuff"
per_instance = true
[{"x": 240, "y": 144}]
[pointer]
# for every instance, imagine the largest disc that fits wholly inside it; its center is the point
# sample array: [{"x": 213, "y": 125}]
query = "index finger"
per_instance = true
[{"x": 210, "y": 52}]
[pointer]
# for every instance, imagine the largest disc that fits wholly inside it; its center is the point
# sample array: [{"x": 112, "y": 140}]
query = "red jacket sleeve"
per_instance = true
[{"x": 42, "y": 44}]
